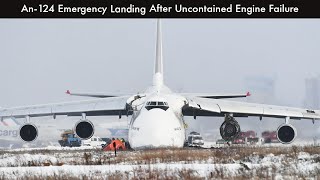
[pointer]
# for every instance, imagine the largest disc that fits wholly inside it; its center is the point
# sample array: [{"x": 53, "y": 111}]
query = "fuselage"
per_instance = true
[{"x": 157, "y": 120}]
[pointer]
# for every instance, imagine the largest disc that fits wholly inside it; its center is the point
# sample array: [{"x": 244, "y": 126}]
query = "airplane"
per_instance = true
[
  {"x": 157, "y": 115},
  {"x": 9, "y": 129}
]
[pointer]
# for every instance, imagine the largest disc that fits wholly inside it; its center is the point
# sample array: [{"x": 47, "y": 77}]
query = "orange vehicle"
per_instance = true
[{"x": 115, "y": 144}]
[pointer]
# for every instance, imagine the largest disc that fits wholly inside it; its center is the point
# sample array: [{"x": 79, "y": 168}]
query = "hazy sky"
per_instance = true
[{"x": 40, "y": 59}]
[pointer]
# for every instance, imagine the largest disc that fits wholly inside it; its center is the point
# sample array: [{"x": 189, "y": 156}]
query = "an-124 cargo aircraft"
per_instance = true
[{"x": 157, "y": 114}]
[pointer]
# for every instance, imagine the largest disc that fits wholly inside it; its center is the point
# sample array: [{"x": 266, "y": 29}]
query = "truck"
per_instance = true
[
  {"x": 94, "y": 141},
  {"x": 195, "y": 139},
  {"x": 270, "y": 137},
  {"x": 247, "y": 137},
  {"x": 69, "y": 139},
  {"x": 221, "y": 142}
]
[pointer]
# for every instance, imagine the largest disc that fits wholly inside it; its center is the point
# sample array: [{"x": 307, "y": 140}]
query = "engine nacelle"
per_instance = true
[
  {"x": 229, "y": 129},
  {"x": 286, "y": 133},
  {"x": 28, "y": 132},
  {"x": 84, "y": 129}
]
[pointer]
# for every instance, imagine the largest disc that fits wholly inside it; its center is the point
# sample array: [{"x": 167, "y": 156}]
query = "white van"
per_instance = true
[{"x": 94, "y": 141}]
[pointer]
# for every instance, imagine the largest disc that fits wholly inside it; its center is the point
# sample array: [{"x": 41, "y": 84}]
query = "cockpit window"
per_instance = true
[
  {"x": 157, "y": 104},
  {"x": 161, "y": 104}
]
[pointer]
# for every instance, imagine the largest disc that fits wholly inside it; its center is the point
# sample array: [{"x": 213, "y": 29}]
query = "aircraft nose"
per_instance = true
[{"x": 157, "y": 128}]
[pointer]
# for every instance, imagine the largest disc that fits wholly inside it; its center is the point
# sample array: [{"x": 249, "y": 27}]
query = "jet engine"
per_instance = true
[
  {"x": 286, "y": 133},
  {"x": 229, "y": 129},
  {"x": 28, "y": 132},
  {"x": 84, "y": 129}
]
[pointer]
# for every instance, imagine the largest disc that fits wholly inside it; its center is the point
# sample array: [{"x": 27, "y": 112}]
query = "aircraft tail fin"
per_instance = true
[{"x": 158, "y": 65}]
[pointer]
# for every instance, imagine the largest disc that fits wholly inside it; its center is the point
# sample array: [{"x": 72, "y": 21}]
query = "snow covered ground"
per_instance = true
[{"x": 244, "y": 162}]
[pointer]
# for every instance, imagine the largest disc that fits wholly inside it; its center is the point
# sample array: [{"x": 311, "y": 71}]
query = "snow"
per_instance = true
[
  {"x": 54, "y": 148},
  {"x": 90, "y": 170},
  {"x": 69, "y": 162},
  {"x": 202, "y": 170},
  {"x": 26, "y": 159}
]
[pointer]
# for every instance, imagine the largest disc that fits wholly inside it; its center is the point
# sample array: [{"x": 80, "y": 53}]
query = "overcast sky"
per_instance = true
[{"x": 40, "y": 59}]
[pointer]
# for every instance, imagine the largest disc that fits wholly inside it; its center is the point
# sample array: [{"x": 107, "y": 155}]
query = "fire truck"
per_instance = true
[
  {"x": 247, "y": 137},
  {"x": 270, "y": 136}
]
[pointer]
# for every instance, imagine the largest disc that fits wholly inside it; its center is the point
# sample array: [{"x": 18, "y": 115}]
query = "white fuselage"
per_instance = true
[{"x": 157, "y": 125}]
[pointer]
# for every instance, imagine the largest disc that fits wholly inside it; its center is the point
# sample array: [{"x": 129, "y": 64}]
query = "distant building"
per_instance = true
[{"x": 312, "y": 97}]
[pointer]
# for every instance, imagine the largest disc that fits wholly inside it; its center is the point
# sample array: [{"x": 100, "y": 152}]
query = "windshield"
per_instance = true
[
  {"x": 157, "y": 104},
  {"x": 197, "y": 138}
]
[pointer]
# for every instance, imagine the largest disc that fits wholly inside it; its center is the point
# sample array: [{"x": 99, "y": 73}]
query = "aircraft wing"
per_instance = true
[
  {"x": 216, "y": 96},
  {"x": 96, "y": 95},
  {"x": 217, "y": 107},
  {"x": 97, "y": 107}
]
